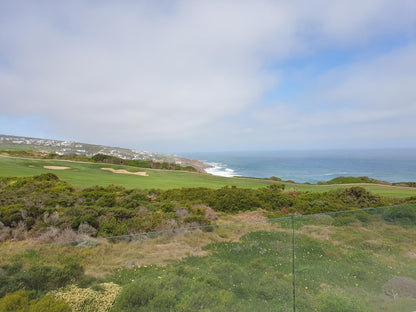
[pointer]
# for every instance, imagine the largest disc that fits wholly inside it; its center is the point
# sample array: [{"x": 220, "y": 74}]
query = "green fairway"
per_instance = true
[
  {"x": 385, "y": 190},
  {"x": 89, "y": 174}
]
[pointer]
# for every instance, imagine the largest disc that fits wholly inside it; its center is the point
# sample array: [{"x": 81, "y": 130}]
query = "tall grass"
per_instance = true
[{"x": 362, "y": 260}]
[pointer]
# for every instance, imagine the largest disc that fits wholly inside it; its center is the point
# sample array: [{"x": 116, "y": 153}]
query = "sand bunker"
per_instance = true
[
  {"x": 122, "y": 171},
  {"x": 56, "y": 167}
]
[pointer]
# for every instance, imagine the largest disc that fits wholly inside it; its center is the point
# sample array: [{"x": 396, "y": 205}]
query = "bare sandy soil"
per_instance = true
[
  {"x": 56, "y": 167},
  {"x": 249, "y": 216},
  {"x": 122, "y": 171}
]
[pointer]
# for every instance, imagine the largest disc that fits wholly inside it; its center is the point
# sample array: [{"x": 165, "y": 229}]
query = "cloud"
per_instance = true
[
  {"x": 140, "y": 73},
  {"x": 366, "y": 104},
  {"x": 382, "y": 83}
]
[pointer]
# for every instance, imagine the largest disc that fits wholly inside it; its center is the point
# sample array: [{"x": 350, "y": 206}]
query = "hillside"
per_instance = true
[
  {"x": 47, "y": 146},
  {"x": 188, "y": 241},
  {"x": 362, "y": 260}
]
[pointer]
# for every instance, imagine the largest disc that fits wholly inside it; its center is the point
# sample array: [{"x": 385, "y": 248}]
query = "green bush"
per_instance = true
[
  {"x": 11, "y": 215},
  {"x": 43, "y": 201},
  {"x": 359, "y": 197},
  {"x": 348, "y": 180},
  {"x": 106, "y": 200},
  {"x": 50, "y": 304},
  {"x": 144, "y": 223},
  {"x": 136, "y": 295},
  {"x": 38, "y": 278},
  {"x": 90, "y": 218},
  {"x": 168, "y": 207},
  {"x": 19, "y": 301},
  {"x": 46, "y": 177},
  {"x": 14, "y": 302},
  {"x": 44, "y": 278},
  {"x": 110, "y": 226},
  {"x": 134, "y": 200},
  {"x": 108, "y": 159}
]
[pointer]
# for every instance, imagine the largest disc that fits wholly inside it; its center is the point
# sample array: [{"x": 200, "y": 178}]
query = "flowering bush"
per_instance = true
[{"x": 87, "y": 299}]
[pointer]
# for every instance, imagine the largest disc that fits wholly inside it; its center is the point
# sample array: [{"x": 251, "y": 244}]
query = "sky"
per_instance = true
[{"x": 191, "y": 76}]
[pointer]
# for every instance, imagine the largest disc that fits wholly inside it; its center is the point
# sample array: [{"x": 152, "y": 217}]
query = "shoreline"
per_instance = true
[
  {"x": 317, "y": 167},
  {"x": 222, "y": 170}
]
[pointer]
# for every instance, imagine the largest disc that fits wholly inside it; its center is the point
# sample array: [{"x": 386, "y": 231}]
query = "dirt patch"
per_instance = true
[
  {"x": 399, "y": 286},
  {"x": 411, "y": 254},
  {"x": 122, "y": 171},
  {"x": 148, "y": 251},
  {"x": 249, "y": 216},
  {"x": 56, "y": 167},
  {"x": 318, "y": 232}
]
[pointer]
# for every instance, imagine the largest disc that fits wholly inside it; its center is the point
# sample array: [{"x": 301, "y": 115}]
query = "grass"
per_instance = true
[
  {"x": 385, "y": 190},
  {"x": 89, "y": 174},
  {"x": 248, "y": 266},
  {"x": 358, "y": 258}
]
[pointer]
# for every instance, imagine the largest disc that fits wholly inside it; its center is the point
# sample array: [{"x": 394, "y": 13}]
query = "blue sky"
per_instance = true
[{"x": 175, "y": 76}]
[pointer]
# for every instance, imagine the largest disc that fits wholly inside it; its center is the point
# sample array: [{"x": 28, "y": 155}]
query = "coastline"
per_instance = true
[
  {"x": 199, "y": 165},
  {"x": 393, "y": 167},
  {"x": 217, "y": 170}
]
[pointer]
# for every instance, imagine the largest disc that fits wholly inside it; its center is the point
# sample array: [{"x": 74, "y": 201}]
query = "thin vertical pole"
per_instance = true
[{"x": 293, "y": 264}]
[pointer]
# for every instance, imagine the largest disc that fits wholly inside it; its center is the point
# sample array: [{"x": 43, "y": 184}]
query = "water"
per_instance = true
[{"x": 313, "y": 166}]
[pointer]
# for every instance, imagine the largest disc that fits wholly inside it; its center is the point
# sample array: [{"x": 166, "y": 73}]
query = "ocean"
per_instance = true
[{"x": 389, "y": 165}]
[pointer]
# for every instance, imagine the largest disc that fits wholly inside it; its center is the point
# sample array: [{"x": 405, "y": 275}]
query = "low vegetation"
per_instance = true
[
  {"x": 349, "y": 180},
  {"x": 408, "y": 184},
  {"x": 347, "y": 259},
  {"x": 47, "y": 209},
  {"x": 345, "y": 262}
]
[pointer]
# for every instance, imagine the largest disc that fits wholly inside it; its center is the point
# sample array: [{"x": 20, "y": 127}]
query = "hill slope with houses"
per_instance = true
[{"x": 59, "y": 147}]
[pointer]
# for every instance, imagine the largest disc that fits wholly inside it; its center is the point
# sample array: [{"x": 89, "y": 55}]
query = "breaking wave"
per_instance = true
[{"x": 221, "y": 170}]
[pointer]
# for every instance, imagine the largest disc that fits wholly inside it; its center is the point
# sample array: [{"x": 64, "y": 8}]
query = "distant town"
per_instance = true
[{"x": 70, "y": 147}]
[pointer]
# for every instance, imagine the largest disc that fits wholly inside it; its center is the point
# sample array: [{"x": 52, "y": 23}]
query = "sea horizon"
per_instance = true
[{"x": 312, "y": 166}]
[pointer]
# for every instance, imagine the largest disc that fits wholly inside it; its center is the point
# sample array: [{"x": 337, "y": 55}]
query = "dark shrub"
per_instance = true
[{"x": 137, "y": 294}]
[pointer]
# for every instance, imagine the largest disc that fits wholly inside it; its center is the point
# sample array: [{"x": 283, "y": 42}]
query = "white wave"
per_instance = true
[
  {"x": 334, "y": 173},
  {"x": 221, "y": 170}
]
